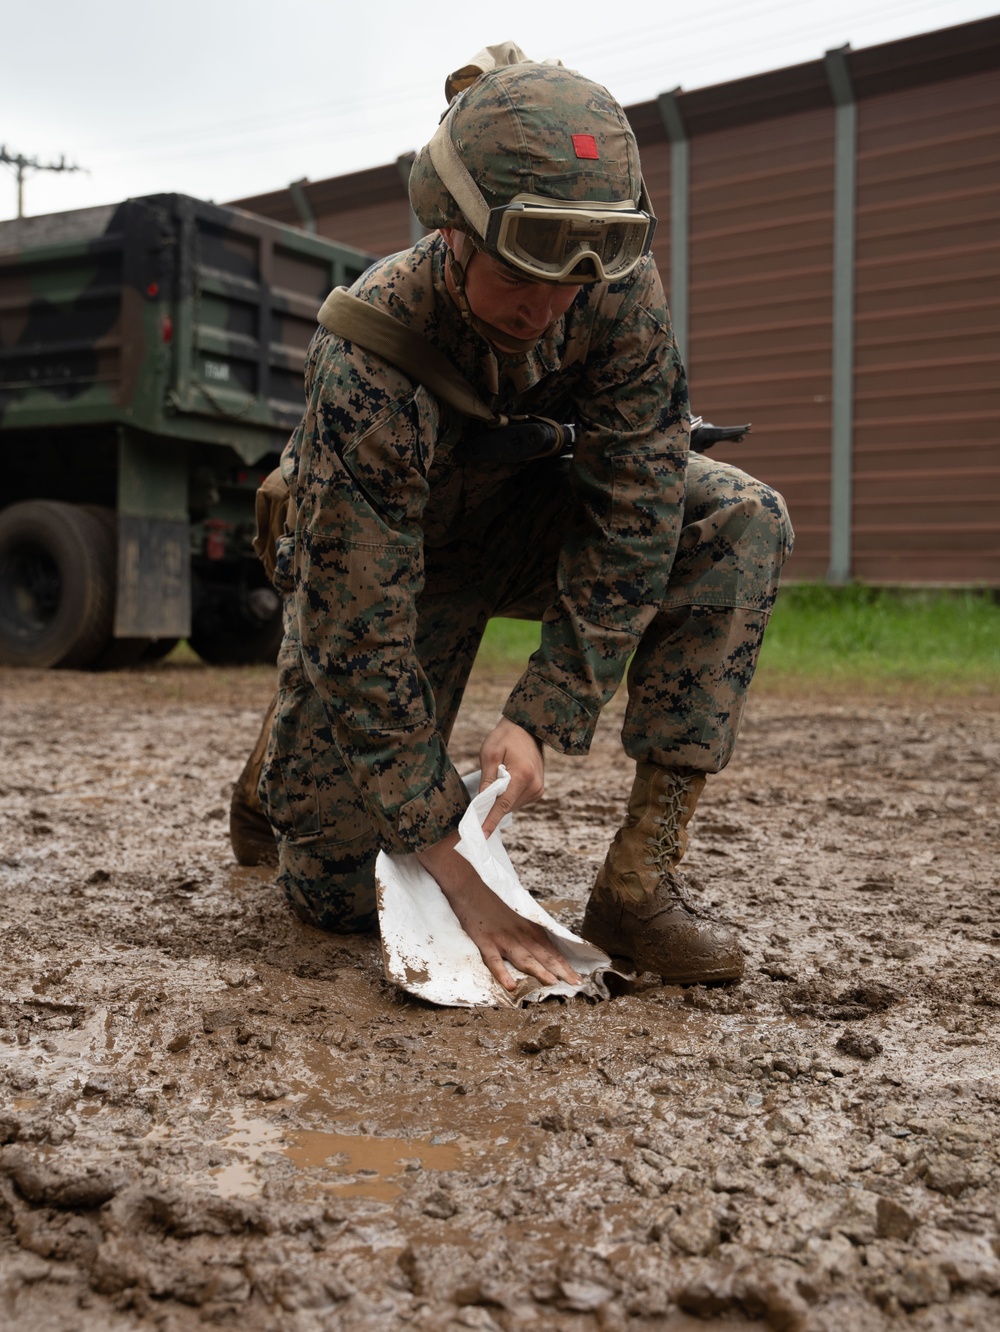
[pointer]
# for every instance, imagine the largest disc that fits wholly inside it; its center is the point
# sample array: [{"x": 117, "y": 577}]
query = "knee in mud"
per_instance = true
[
  {"x": 333, "y": 914},
  {"x": 336, "y": 897}
]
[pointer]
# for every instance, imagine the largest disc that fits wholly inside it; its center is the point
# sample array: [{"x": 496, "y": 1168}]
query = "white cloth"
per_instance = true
[{"x": 425, "y": 949}]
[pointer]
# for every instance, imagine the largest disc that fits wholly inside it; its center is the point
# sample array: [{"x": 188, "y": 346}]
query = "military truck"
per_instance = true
[{"x": 151, "y": 358}]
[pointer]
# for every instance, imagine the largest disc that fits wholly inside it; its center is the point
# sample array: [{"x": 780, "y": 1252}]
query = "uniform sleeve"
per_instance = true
[
  {"x": 359, "y": 486},
  {"x": 628, "y": 483}
]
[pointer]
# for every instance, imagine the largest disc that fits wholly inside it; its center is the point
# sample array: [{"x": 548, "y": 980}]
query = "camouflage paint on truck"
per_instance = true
[{"x": 151, "y": 368}]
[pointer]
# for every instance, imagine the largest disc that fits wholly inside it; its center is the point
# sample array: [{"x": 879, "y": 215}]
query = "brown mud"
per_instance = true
[{"x": 212, "y": 1114}]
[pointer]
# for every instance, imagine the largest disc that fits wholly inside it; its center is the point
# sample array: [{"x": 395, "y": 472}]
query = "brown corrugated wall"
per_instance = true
[
  {"x": 927, "y": 335},
  {"x": 760, "y": 298},
  {"x": 923, "y": 504}
]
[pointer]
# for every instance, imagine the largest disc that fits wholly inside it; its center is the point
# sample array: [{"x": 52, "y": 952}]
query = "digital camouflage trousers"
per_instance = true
[{"x": 687, "y": 681}]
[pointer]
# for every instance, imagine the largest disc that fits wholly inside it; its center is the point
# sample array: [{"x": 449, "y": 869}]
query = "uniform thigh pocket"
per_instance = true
[
  {"x": 306, "y": 789},
  {"x": 366, "y": 625}
]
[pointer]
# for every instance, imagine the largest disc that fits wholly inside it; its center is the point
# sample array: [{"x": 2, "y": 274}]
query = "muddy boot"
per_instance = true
[
  {"x": 640, "y": 907},
  {"x": 249, "y": 831}
]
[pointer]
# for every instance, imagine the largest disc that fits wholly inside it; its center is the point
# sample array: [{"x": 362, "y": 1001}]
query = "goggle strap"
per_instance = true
[{"x": 456, "y": 179}]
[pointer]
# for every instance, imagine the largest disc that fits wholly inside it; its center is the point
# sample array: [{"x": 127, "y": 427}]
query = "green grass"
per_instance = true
[
  {"x": 845, "y": 638},
  {"x": 947, "y": 641},
  {"x": 831, "y": 638},
  {"x": 507, "y": 645}
]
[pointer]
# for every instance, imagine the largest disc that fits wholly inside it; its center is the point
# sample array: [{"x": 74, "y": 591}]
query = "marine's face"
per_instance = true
[{"x": 512, "y": 304}]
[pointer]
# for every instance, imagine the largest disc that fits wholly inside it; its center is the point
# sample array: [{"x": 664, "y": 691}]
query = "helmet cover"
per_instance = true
[{"x": 535, "y": 129}]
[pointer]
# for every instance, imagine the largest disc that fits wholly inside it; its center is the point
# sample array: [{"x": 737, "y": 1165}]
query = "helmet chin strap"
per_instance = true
[{"x": 511, "y": 346}]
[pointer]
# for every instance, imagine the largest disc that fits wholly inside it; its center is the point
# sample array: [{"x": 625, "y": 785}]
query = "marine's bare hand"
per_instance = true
[
  {"x": 499, "y": 933},
  {"x": 523, "y": 757}
]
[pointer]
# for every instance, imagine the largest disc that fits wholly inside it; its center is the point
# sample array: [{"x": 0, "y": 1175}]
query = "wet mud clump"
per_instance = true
[{"x": 211, "y": 1114}]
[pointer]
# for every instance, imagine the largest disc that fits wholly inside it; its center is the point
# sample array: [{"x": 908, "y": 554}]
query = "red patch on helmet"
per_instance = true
[{"x": 585, "y": 145}]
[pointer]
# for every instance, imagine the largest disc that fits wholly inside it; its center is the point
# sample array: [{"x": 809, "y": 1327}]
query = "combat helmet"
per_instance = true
[{"x": 537, "y": 166}]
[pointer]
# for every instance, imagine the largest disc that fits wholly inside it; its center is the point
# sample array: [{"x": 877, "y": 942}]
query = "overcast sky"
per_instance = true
[{"x": 221, "y": 99}]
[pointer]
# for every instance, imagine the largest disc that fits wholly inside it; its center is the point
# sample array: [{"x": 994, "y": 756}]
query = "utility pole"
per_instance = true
[{"x": 22, "y": 165}]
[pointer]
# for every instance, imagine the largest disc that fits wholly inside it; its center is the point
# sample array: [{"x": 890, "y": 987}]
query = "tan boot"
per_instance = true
[
  {"x": 249, "y": 831},
  {"x": 640, "y": 907}
]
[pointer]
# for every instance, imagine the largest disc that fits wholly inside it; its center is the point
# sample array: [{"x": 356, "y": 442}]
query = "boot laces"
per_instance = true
[
  {"x": 675, "y": 889},
  {"x": 665, "y": 844}
]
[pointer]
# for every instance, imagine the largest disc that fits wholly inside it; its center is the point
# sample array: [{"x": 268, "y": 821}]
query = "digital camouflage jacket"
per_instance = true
[{"x": 376, "y": 474}]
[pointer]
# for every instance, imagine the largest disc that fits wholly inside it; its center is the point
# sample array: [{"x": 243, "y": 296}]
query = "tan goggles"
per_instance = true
[{"x": 570, "y": 242}]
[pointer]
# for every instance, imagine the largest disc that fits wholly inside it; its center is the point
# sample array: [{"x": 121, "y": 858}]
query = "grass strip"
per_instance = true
[
  {"x": 871, "y": 638},
  {"x": 833, "y": 639}
]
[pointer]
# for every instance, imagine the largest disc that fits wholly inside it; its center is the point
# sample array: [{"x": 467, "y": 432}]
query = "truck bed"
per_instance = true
[{"x": 177, "y": 317}]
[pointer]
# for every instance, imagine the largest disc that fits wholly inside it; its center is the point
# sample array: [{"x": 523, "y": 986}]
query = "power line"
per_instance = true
[
  {"x": 691, "y": 46},
  {"x": 790, "y": 37},
  {"x": 22, "y": 165},
  {"x": 774, "y": 36}
]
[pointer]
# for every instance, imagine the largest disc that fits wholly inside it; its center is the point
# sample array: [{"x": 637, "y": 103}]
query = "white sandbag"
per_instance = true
[{"x": 425, "y": 949}]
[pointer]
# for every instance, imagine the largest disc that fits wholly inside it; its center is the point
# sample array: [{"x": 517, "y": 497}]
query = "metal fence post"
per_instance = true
[
  {"x": 842, "y": 408},
  {"x": 680, "y": 214},
  {"x": 297, "y": 189}
]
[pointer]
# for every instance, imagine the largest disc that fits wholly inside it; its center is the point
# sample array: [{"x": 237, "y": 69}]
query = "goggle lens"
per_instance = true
[{"x": 559, "y": 244}]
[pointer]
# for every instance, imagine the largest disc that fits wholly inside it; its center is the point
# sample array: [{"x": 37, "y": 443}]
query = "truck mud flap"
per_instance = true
[{"x": 154, "y": 578}]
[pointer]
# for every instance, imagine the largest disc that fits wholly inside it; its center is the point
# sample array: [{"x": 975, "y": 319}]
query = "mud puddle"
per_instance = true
[
  {"x": 210, "y": 1114},
  {"x": 341, "y": 1164}
]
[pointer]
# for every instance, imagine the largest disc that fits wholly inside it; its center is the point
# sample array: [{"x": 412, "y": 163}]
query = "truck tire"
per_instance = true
[
  {"x": 57, "y": 585},
  {"x": 239, "y": 623},
  {"x": 246, "y": 645},
  {"x": 120, "y": 654}
]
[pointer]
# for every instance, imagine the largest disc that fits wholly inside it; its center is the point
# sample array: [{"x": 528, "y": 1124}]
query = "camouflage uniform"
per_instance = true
[{"x": 401, "y": 553}]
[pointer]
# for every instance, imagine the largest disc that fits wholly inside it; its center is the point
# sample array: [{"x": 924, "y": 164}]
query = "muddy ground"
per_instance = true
[{"x": 215, "y": 1115}]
